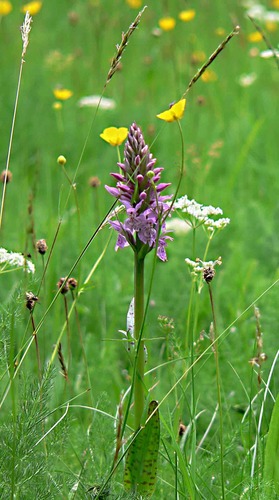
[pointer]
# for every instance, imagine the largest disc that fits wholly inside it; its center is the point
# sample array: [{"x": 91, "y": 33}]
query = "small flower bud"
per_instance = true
[
  {"x": 41, "y": 246},
  {"x": 61, "y": 160},
  {"x": 150, "y": 174},
  {"x": 6, "y": 176},
  {"x": 63, "y": 286}
]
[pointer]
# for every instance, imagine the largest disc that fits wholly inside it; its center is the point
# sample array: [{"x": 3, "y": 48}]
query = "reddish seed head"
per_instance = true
[
  {"x": 41, "y": 246},
  {"x": 72, "y": 282},
  {"x": 6, "y": 176},
  {"x": 63, "y": 285}
]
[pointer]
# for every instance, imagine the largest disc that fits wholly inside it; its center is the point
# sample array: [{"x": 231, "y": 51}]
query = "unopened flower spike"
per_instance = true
[
  {"x": 114, "y": 136},
  {"x": 175, "y": 112}
]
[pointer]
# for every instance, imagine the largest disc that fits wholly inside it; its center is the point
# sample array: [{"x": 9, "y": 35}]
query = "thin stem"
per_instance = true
[
  {"x": 213, "y": 56},
  {"x": 218, "y": 381},
  {"x": 181, "y": 173},
  {"x": 10, "y": 142},
  {"x": 83, "y": 350},
  {"x": 68, "y": 331},
  {"x": 37, "y": 347},
  {"x": 139, "y": 358}
]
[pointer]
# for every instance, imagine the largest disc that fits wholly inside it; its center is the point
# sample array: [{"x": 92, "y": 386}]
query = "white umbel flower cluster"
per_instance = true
[
  {"x": 16, "y": 260},
  {"x": 198, "y": 214},
  {"x": 198, "y": 266}
]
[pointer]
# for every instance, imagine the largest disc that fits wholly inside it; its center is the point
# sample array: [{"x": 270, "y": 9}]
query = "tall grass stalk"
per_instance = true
[{"x": 25, "y": 30}]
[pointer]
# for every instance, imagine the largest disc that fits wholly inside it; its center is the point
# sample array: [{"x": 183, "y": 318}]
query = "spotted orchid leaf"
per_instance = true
[{"x": 141, "y": 462}]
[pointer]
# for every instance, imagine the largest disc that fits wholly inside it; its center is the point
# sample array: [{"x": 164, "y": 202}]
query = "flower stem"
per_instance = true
[{"x": 139, "y": 358}]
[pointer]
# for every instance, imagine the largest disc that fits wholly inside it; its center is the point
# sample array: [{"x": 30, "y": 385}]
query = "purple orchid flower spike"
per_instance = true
[{"x": 139, "y": 190}]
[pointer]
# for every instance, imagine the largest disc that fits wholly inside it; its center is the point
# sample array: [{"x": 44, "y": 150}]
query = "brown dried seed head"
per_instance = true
[
  {"x": 31, "y": 300},
  {"x": 182, "y": 429},
  {"x": 6, "y": 176},
  {"x": 72, "y": 282},
  {"x": 41, "y": 246},
  {"x": 208, "y": 274},
  {"x": 63, "y": 285}
]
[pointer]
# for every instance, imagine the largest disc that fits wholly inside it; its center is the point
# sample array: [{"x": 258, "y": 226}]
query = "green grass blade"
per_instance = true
[
  {"x": 141, "y": 462},
  {"x": 271, "y": 465}
]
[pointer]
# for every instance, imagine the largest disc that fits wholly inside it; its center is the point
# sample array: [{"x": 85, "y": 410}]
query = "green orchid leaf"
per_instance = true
[{"x": 141, "y": 462}]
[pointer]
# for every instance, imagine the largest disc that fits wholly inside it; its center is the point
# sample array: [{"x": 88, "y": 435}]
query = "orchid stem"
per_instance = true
[{"x": 139, "y": 358}]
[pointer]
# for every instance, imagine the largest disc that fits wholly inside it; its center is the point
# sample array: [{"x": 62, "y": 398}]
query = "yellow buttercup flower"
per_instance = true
[
  {"x": 254, "y": 37},
  {"x": 198, "y": 56},
  {"x": 275, "y": 4},
  {"x": 32, "y": 7},
  {"x": 187, "y": 15},
  {"x": 114, "y": 136},
  {"x": 5, "y": 7},
  {"x": 220, "y": 31},
  {"x": 209, "y": 76},
  {"x": 175, "y": 112},
  {"x": 135, "y": 4},
  {"x": 271, "y": 26},
  {"x": 167, "y": 23},
  {"x": 57, "y": 105},
  {"x": 62, "y": 94}
]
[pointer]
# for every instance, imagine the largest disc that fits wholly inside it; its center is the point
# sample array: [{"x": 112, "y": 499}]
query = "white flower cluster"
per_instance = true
[
  {"x": 201, "y": 213},
  {"x": 267, "y": 54},
  {"x": 94, "y": 101},
  {"x": 15, "y": 259},
  {"x": 260, "y": 12},
  {"x": 198, "y": 266},
  {"x": 247, "y": 79}
]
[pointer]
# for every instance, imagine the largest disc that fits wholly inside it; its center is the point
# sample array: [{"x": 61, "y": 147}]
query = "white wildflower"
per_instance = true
[
  {"x": 16, "y": 260},
  {"x": 255, "y": 10},
  {"x": 92, "y": 101},
  {"x": 198, "y": 266},
  {"x": 178, "y": 226},
  {"x": 210, "y": 210},
  {"x": 216, "y": 224},
  {"x": 247, "y": 79},
  {"x": 271, "y": 16},
  {"x": 267, "y": 54},
  {"x": 259, "y": 12},
  {"x": 197, "y": 213}
]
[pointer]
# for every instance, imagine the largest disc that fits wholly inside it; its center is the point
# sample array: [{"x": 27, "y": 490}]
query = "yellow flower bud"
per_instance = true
[{"x": 61, "y": 160}]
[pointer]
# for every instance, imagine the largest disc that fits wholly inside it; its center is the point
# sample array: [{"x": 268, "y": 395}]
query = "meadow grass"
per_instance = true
[{"x": 58, "y": 435}]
